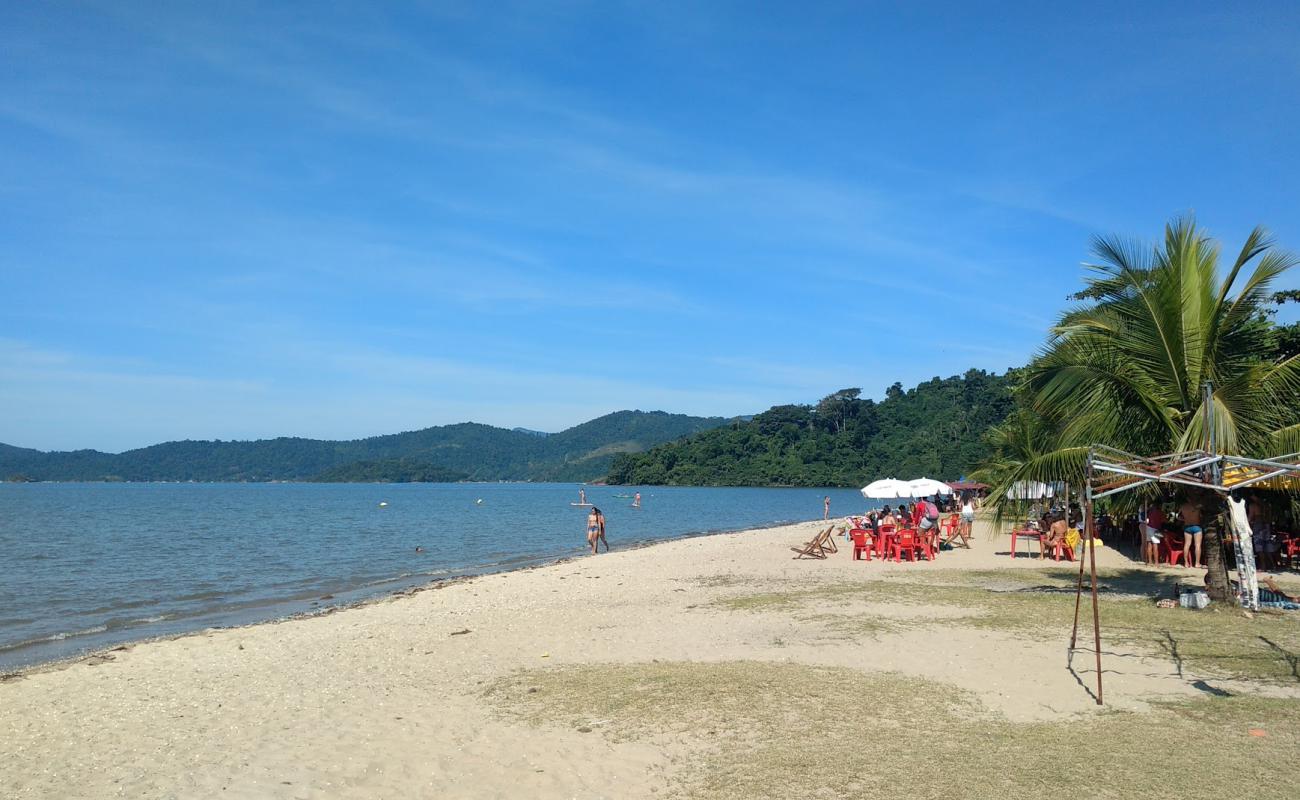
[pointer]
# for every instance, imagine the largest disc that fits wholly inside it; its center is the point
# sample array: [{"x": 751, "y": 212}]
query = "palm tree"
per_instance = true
[
  {"x": 1128, "y": 365},
  {"x": 1026, "y": 444}
]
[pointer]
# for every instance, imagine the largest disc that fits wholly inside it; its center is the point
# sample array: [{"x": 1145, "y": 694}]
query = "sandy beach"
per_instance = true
[{"x": 440, "y": 693}]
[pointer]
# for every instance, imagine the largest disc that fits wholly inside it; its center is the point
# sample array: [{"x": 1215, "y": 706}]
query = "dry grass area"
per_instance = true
[
  {"x": 756, "y": 729},
  {"x": 1040, "y": 603},
  {"x": 763, "y": 730}
]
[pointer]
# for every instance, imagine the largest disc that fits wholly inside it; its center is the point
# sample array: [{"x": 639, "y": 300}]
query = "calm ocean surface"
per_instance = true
[{"x": 84, "y": 566}]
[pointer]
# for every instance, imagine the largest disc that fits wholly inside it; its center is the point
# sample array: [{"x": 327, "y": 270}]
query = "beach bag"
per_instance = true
[
  {"x": 1197, "y": 599},
  {"x": 931, "y": 511}
]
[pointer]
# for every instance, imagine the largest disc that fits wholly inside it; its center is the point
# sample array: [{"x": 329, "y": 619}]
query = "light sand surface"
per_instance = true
[{"x": 383, "y": 700}]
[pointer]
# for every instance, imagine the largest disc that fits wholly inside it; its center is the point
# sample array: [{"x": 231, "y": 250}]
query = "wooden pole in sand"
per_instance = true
[
  {"x": 1090, "y": 525},
  {"x": 1078, "y": 584}
]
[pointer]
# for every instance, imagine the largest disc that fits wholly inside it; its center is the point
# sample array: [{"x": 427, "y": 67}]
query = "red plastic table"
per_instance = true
[{"x": 1028, "y": 534}]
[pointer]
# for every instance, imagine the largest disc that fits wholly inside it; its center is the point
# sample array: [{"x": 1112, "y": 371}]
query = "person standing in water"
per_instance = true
[
  {"x": 636, "y": 501},
  {"x": 582, "y": 497},
  {"x": 596, "y": 530},
  {"x": 826, "y": 507}
]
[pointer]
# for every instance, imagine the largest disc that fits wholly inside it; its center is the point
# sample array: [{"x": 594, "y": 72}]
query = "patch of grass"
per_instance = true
[
  {"x": 725, "y": 581},
  {"x": 762, "y": 730},
  {"x": 1040, "y": 603}
]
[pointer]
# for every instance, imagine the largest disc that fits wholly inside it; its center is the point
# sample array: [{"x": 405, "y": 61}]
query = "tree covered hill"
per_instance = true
[
  {"x": 934, "y": 430},
  {"x": 389, "y": 470},
  {"x": 480, "y": 452}
]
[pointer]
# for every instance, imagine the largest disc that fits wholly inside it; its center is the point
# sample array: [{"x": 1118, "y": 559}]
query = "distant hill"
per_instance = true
[
  {"x": 478, "y": 452},
  {"x": 933, "y": 430},
  {"x": 389, "y": 470}
]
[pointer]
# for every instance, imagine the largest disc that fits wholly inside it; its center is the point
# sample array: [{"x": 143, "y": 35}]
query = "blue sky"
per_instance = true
[{"x": 238, "y": 221}]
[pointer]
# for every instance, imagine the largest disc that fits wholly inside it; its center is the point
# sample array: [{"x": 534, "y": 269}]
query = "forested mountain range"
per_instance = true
[
  {"x": 934, "y": 429},
  {"x": 468, "y": 450}
]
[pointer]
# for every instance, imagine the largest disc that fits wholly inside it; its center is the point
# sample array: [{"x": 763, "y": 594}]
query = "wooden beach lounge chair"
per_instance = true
[{"x": 820, "y": 545}]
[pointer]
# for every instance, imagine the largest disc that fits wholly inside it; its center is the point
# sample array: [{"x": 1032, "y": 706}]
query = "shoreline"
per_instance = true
[
  {"x": 424, "y": 583},
  {"x": 427, "y": 692}
]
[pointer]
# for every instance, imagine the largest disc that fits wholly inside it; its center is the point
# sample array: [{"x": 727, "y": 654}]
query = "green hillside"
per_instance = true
[
  {"x": 934, "y": 430},
  {"x": 389, "y": 470},
  {"x": 478, "y": 452}
]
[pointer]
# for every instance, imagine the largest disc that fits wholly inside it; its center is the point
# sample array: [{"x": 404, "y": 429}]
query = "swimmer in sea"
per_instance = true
[
  {"x": 596, "y": 530},
  {"x": 636, "y": 501}
]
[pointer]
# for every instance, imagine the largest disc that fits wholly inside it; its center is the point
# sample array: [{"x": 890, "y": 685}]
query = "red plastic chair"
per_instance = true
[
  {"x": 1173, "y": 548},
  {"x": 1062, "y": 549},
  {"x": 904, "y": 543},
  {"x": 927, "y": 544},
  {"x": 883, "y": 540},
  {"x": 1290, "y": 548},
  {"x": 861, "y": 549}
]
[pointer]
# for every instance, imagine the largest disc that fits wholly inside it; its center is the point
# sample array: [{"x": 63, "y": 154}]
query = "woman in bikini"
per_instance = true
[{"x": 596, "y": 530}]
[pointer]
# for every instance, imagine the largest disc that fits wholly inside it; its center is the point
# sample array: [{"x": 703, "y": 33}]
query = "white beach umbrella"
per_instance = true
[
  {"x": 1029, "y": 490},
  {"x": 886, "y": 489},
  {"x": 927, "y": 487}
]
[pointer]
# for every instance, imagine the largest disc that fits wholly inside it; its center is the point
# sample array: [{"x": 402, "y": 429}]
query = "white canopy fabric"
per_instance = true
[
  {"x": 1247, "y": 580},
  {"x": 926, "y": 487},
  {"x": 1030, "y": 490},
  {"x": 886, "y": 489}
]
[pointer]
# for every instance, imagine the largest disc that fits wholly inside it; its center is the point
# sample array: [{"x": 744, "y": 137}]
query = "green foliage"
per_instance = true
[
  {"x": 470, "y": 450},
  {"x": 389, "y": 470},
  {"x": 933, "y": 430},
  {"x": 1126, "y": 368}
]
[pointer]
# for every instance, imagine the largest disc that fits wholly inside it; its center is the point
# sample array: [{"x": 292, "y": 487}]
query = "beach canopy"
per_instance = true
[
  {"x": 886, "y": 489},
  {"x": 891, "y": 489},
  {"x": 967, "y": 486},
  {"x": 927, "y": 487},
  {"x": 1030, "y": 490}
]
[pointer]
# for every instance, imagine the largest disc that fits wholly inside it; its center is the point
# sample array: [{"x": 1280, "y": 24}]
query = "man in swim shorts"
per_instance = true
[{"x": 1193, "y": 534}]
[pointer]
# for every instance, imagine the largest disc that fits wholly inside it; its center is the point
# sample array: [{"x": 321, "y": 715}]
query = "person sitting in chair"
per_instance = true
[{"x": 1056, "y": 531}]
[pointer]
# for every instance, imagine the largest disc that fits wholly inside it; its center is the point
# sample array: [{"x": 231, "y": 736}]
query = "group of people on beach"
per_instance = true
[
  {"x": 923, "y": 515},
  {"x": 1158, "y": 523},
  {"x": 1153, "y": 530}
]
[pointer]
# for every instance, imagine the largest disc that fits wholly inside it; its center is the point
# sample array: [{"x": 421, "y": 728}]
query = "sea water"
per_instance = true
[{"x": 88, "y": 566}]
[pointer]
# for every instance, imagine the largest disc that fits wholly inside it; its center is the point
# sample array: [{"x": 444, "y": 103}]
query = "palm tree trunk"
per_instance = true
[{"x": 1216, "y": 581}]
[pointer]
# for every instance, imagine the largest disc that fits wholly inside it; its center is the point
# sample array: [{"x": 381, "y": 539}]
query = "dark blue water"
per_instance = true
[{"x": 84, "y": 566}]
